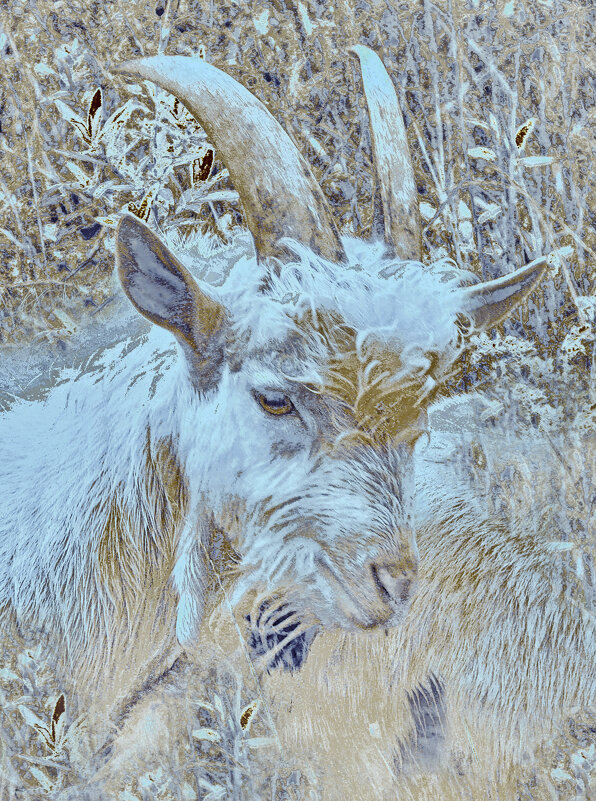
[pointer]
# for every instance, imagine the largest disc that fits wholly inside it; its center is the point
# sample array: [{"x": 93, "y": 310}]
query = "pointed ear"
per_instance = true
[
  {"x": 164, "y": 291},
  {"x": 490, "y": 302}
]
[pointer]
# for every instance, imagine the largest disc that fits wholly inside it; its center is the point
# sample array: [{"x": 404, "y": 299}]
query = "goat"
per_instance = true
[{"x": 268, "y": 427}]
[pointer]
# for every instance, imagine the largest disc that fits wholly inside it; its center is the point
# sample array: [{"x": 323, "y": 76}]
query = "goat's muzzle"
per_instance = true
[
  {"x": 379, "y": 595},
  {"x": 384, "y": 594},
  {"x": 393, "y": 581}
]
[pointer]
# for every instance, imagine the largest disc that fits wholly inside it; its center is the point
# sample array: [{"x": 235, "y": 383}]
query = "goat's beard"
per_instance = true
[
  {"x": 278, "y": 636},
  {"x": 280, "y": 626},
  {"x": 277, "y": 626},
  {"x": 280, "y": 629}
]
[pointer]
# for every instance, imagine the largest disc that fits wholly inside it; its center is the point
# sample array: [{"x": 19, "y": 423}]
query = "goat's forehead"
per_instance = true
[
  {"x": 393, "y": 301},
  {"x": 373, "y": 340},
  {"x": 319, "y": 341},
  {"x": 378, "y": 387}
]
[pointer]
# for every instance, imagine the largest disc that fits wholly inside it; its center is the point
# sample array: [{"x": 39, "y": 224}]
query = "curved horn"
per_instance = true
[
  {"x": 278, "y": 190},
  {"x": 490, "y": 302},
  {"x": 393, "y": 165}
]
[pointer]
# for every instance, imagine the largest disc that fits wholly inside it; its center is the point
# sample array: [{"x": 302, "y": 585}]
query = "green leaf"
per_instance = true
[
  {"x": 219, "y": 706},
  {"x": 207, "y": 734},
  {"x": 78, "y": 173},
  {"x": 535, "y": 161},
  {"x": 205, "y": 705},
  {"x": 492, "y": 211},
  {"x": 260, "y": 742},
  {"x": 7, "y": 675},
  {"x": 31, "y": 718},
  {"x": 42, "y": 778},
  {"x": 247, "y": 714},
  {"x": 482, "y": 153},
  {"x": 561, "y": 775}
]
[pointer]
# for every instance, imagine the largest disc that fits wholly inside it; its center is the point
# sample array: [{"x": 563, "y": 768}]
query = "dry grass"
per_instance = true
[
  {"x": 500, "y": 113},
  {"x": 499, "y": 109}
]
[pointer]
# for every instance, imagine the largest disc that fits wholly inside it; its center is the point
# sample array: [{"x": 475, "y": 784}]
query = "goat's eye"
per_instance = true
[{"x": 275, "y": 403}]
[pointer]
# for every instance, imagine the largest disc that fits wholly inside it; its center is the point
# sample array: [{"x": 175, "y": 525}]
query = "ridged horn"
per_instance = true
[
  {"x": 278, "y": 190},
  {"x": 393, "y": 166}
]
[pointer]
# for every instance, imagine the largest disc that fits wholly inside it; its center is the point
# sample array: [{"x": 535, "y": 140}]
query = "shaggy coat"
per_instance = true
[{"x": 263, "y": 444}]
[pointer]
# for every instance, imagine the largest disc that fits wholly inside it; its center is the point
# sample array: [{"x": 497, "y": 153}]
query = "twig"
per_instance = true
[
  {"x": 29, "y": 157},
  {"x": 88, "y": 259},
  {"x": 103, "y": 305},
  {"x": 244, "y": 647},
  {"x": 164, "y": 29}
]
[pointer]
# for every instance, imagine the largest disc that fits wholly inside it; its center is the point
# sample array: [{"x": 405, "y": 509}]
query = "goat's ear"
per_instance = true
[
  {"x": 490, "y": 302},
  {"x": 164, "y": 291}
]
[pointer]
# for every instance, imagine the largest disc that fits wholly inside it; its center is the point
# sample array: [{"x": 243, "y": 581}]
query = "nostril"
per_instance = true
[
  {"x": 403, "y": 591},
  {"x": 380, "y": 584},
  {"x": 393, "y": 580}
]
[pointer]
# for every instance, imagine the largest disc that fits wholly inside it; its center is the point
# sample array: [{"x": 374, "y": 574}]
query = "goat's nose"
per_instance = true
[{"x": 394, "y": 579}]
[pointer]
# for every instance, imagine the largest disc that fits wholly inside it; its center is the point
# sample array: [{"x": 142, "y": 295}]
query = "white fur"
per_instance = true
[
  {"x": 297, "y": 505},
  {"x": 67, "y": 457}
]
